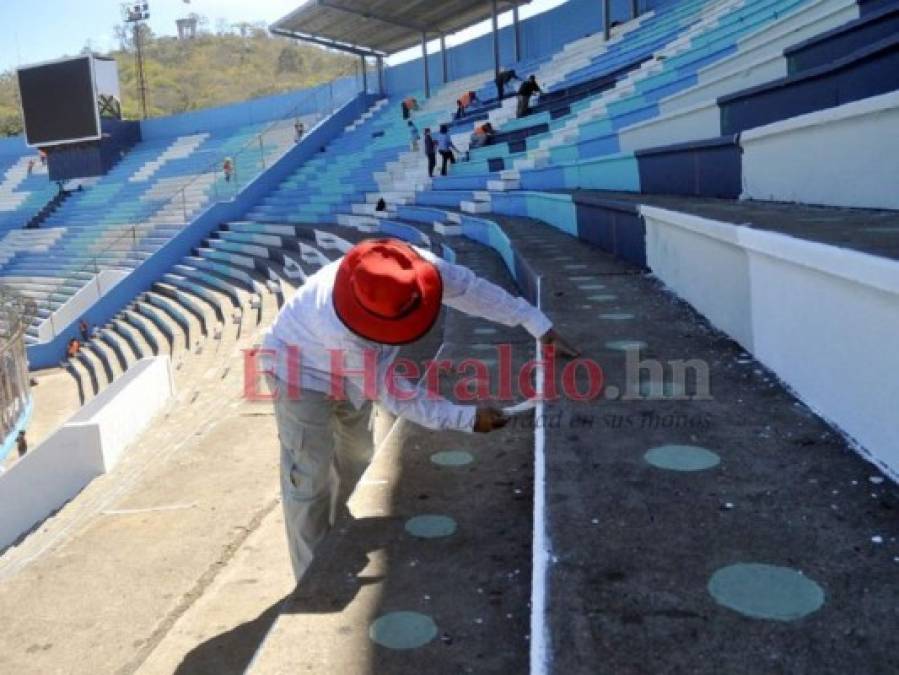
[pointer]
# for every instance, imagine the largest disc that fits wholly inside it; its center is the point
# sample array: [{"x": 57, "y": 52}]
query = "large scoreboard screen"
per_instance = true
[{"x": 59, "y": 102}]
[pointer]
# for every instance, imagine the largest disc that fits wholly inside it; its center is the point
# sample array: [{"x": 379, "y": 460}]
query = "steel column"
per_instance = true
[
  {"x": 443, "y": 58},
  {"x": 380, "y": 62},
  {"x": 424, "y": 58},
  {"x": 495, "y": 38},
  {"x": 517, "y": 30},
  {"x": 364, "y": 75},
  {"x": 606, "y": 11}
]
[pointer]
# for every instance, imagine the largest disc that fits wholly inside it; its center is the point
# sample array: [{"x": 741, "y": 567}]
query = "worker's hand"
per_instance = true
[
  {"x": 489, "y": 419},
  {"x": 563, "y": 347}
]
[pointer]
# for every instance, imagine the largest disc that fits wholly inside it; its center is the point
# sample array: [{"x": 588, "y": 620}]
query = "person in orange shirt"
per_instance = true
[
  {"x": 483, "y": 135},
  {"x": 73, "y": 348},
  {"x": 466, "y": 101}
]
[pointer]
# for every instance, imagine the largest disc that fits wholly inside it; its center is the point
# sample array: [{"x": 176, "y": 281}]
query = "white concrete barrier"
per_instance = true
[
  {"x": 843, "y": 156},
  {"x": 78, "y": 304},
  {"x": 88, "y": 445},
  {"x": 824, "y": 319}
]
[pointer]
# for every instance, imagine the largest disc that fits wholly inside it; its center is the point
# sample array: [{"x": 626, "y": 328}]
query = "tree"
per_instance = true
[
  {"x": 209, "y": 71},
  {"x": 289, "y": 61}
]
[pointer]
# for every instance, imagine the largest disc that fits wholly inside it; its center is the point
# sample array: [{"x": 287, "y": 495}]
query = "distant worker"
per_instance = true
[
  {"x": 504, "y": 79},
  {"x": 381, "y": 206},
  {"x": 409, "y": 105},
  {"x": 430, "y": 152},
  {"x": 43, "y": 156},
  {"x": 483, "y": 135},
  {"x": 466, "y": 102},
  {"x": 299, "y": 130},
  {"x": 84, "y": 329},
  {"x": 21, "y": 444},
  {"x": 228, "y": 169},
  {"x": 414, "y": 136},
  {"x": 73, "y": 348},
  {"x": 445, "y": 147},
  {"x": 382, "y": 294},
  {"x": 30, "y": 166},
  {"x": 527, "y": 89}
]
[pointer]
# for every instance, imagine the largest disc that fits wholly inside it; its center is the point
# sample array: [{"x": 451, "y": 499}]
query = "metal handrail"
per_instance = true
[
  {"x": 131, "y": 233},
  {"x": 15, "y": 320}
]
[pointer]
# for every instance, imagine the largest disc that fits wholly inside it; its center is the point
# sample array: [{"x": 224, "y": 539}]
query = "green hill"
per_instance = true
[{"x": 211, "y": 69}]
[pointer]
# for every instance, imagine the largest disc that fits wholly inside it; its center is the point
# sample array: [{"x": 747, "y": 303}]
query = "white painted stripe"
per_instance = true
[{"x": 540, "y": 655}]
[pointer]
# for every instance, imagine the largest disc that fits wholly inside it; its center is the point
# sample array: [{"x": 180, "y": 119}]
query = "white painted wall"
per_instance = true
[
  {"x": 843, "y": 156},
  {"x": 88, "y": 445},
  {"x": 825, "y": 319},
  {"x": 136, "y": 396}
]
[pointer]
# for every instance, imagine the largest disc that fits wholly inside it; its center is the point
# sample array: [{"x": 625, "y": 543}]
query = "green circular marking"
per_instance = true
[
  {"x": 625, "y": 345},
  {"x": 616, "y": 317},
  {"x": 764, "y": 591},
  {"x": 484, "y": 331},
  {"x": 431, "y": 526},
  {"x": 484, "y": 347},
  {"x": 591, "y": 287},
  {"x": 403, "y": 630},
  {"x": 452, "y": 458},
  {"x": 576, "y": 266},
  {"x": 602, "y": 298},
  {"x": 682, "y": 458}
]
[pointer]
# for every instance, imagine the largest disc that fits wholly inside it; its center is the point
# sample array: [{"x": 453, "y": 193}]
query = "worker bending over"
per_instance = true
[{"x": 358, "y": 310}]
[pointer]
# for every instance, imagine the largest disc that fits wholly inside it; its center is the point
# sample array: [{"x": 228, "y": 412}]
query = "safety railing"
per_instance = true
[
  {"x": 221, "y": 179},
  {"x": 16, "y": 313}
]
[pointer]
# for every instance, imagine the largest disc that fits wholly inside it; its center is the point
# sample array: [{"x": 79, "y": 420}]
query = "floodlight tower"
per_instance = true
[{"x": 136, "y": 14}]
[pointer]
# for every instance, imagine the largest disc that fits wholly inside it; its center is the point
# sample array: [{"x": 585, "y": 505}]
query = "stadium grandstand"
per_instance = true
[{"x": 699, "y": 195}]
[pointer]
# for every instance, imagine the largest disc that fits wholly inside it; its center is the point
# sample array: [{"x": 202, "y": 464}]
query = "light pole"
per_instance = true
[{"x": 136, "y": 14}]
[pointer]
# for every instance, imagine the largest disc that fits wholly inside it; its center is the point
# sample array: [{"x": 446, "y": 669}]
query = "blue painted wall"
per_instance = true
[
  {"x": 140, "y": 280},
  {"x": 300, "y": 102},
  {"x": 14, "y": 146},
  {"x": 541, "y": 36}
]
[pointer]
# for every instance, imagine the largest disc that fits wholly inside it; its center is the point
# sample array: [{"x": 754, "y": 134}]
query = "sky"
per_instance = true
[{"x": 34, "y": 31}]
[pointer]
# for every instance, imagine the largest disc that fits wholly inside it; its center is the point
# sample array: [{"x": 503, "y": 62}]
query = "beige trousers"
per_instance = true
[{"x": 326, "y": 445}]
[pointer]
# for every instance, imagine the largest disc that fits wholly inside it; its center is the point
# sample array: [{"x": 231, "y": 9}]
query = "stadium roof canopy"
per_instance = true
[{"x": 384, "y": 27}]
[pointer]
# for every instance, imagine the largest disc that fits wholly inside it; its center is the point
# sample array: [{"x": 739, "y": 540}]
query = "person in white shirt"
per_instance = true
[{"x": 339, "y": 334}]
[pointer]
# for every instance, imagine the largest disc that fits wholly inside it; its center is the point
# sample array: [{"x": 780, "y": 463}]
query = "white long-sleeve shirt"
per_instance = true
[{"x": 309, "y": 324}]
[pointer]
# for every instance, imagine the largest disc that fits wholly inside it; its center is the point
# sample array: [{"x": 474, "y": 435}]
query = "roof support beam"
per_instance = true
[
  {"x": 380, "y": 76},
  {"x": 443, "y": 58},
  {"x": 424, "y": 60},
  {"x": 635, "y": 10},
  {"x": 325, "y": 42}
]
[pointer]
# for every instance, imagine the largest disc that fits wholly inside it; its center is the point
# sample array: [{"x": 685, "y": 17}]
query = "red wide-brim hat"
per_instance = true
[{"x": 386, "y": 292}]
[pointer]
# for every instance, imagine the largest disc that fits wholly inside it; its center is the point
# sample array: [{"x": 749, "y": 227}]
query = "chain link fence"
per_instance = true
[{"x": 16, "y": 313}]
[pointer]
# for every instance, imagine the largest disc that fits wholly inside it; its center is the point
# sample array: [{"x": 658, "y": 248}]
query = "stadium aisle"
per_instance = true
[{"x": 733, "y": 534}]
